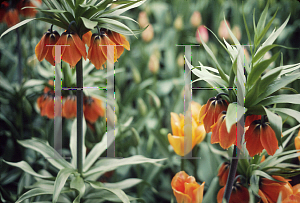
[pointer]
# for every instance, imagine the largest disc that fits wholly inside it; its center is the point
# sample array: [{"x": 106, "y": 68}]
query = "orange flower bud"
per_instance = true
[
  {"x": 196, "y": 19},
  {"x": 186, "y": 189},
  {"x": 269, "y": 189},
  {"x": 260, "y": 136},
  {"x": 202, "y": 31},
  {"x": 148, "y": 34},
  {"x": 118, "y": 39},
  {"x": 297, "y": 143},
  {"x": 210, "y": 111},
  {"x": 239, "y": 194},
  {"x": 223, "y": 32},
  {"x": 180, "y": 60}
]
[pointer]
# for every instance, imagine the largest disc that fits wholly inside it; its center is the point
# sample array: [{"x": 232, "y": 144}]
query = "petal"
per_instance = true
[
  {"x": 178, "y": 181},
  {"x": 202, "y": 113},
  {"x": 263, "y": 196},
  {"x": 175, "y": 123},
  {"x": 268, "y": 139},
  {"x": 121, "y": 40},
  {"x": 104, "y": 42},
  {"x": 41, "y": 48},
  {"x": 71, "y": 54},
  {"x": 95, "y": 54},
  {"x": 86, "y": 38},
  {"x": 215, "y": 132},
  {"x": 199, "y": 134},
  {"x": 97, "y": 106},
  {"x": 208, "y": 119},
  {"x": 252, "y": 138},
  {"x": 80, "y": 45},
  {"x": 220, "y": 194},
  {"x": 227, "y": 139},
  {"x": 177, "y": 143}
]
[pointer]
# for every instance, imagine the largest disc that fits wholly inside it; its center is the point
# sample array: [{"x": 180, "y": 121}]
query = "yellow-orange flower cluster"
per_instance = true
[
  {"x": 177, "y": 124},
  {"x": 186, "y": 189},
  {"x": 75, "y": 47}
]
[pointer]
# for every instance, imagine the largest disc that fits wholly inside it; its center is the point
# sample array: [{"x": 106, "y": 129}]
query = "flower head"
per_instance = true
[
  {"x": 120, "y": 40},
  {"x": 76, "y": 49},
  {"x": 42, "y": 50},
  {"x": 11, "y": 17},
  {"x": 223, "y": 173},
  {"x": 220, "y": 133},
  {"x": 239, "y": 194},
  {"x": 69, "y": 108},
  {"x": 202, "y": 31},
  {"x": 269, "y": 189},
  {"x": 260, "y": 136},
  {"x": 186, "y": 189},
  {"x": 210, "y": 111},
  {"x": 97, "y": 53},
  {"x": 46, "y": 105},
  {"x": 196, "y": 19},
  {"x": 177, "y": 139},
  {"x": 93, "y": 109}
]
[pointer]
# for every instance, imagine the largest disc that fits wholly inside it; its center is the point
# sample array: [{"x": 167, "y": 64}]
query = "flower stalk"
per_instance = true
[
  {"x": 232, "y": 172},
  {"x": 79, "y": 94}
]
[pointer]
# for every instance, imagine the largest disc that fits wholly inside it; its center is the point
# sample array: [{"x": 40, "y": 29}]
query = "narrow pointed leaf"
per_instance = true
[
  {"x": 16, "y": 26},
  {"x": 60, "y": 181},
  {"x": 276, "y": 124}
]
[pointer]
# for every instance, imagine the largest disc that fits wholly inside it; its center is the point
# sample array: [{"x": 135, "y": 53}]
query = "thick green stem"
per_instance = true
[
  {"x": 79, "y": 94},
  {"x": 232, "y": 172}
]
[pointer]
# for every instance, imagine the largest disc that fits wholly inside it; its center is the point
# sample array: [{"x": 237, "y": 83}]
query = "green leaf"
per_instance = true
[
  {"x": 265, "y": 175},
  {"x": 258, "y": 69},
  {"x": 60, "y": 181},
  {"x": 211, "y": 193},
  {"x": 266, "y": 79},
  {"x": 279, "y": 197},
  {"x": 16, "y": 26},
  {"x": 276, "y": 124},
  {"x": 247, "y": 30},
  {"x": 154, "y": 97},
  {"x": 259, "y": 54},
  {"x": 220, "y": 70},
  {"x": 109, "y": 164},
  {"x": 27, "y": 168},
  {"x": 277, "y": 84},
  {"x": 290, "y": 112},
  {"x": 88, "y": 23},
  {"x": 254, "y": 184},
  {"x": 252, "y": 95},
  {"x": 33, "y": 82},
  {"x": 73, "y": 142},
  {"x": 33, "y": 193},
  {"x": 78, "y": 184},
  {"x": 231, "y": 114},
  {"x": 284, "y": 98},
  {"x": 115, "y": 23},
  {"x": 54, "y": 22},
  {"x": 48, "y": 152},
  {"x": 263, "y": 33},
  {"x": 261, "y": 24},
  {"x": 274, "y": 35},
  {"x": 95, "y": 153},
  {"x": 118, "y": 192},
  {"x": 128, "y": 183}
]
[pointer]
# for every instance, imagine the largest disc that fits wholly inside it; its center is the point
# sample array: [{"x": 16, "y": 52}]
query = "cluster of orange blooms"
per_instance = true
[
  {"x": 269, "y": 190},
  {"x": 258, "y": 136},
  {"x": 75, "y": 49},
  {"x": 92, "y": 107},
  {"x": 10, "y": 10}
]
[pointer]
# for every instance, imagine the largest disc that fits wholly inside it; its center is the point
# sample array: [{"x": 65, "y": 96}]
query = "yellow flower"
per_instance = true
[{"x": 177, "y": 124}]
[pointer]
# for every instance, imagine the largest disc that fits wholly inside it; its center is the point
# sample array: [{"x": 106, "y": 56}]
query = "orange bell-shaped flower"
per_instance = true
[
  {"x": 239, "y": 194},
  {"x": 69, "y": 108},
  {"x": 3, "y": 7},
  {"x": 97, "y": 53},
  {"x": 220, "y": 133},
  {"x": 251, "y": 118},
  {"x": 223, "y": 173},
  {"x": 46, "y": 105},
  {"x": 186, "y": 189},
  {"x": 93, "y": 109},
  {"x": 72, "y": 53},
  {"x": 269, "y": 189},
  {"x": 297, "y": 143},
  {"x": 118, "y": 39},
  {"x": 11, "y": 17},
  {"x": 210, "y": 111},
  {"x": 260, "y": 136},
  {"x": 42, "y": 50},
  {"x": 30, "y": 12},
  {"x": 177, "y": 139}
]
